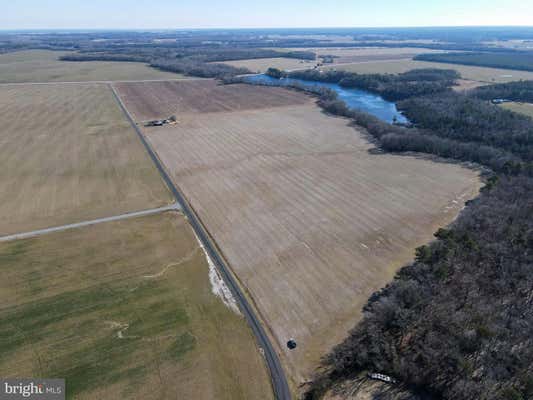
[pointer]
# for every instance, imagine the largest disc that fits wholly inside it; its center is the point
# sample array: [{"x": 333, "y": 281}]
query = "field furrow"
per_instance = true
[{"x": 309, "y": 220}]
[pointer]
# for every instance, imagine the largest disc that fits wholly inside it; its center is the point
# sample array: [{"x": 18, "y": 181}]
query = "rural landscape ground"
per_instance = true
[
  {"x": 167, "y": 231},
  {"x": 68, "y": 155},
  {"x": 121, "y": 309},
  {"x": 298, "y": 206},
  {"x": 45, "y": 66}
]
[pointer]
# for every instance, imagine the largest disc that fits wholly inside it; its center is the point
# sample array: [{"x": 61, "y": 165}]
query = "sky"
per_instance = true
[{"x": 179, "y": 14}]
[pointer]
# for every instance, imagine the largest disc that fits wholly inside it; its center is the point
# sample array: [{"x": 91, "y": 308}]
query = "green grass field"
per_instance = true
[
  {"x": 45, "y": 66},
  {"x": 124, "y": 310}
]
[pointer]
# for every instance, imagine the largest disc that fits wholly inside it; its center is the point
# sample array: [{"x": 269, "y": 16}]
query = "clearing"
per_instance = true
[
  {"x": 45, "y": 66},
  {"x": 68, "y": 154},
  {"x": 124, "y": 310},
  {"x": 309, "y": 220},
  {"x": 522, "y": 108}
]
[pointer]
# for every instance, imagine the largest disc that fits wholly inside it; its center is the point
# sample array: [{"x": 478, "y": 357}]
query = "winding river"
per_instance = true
[{"x": 354, "y": 98}]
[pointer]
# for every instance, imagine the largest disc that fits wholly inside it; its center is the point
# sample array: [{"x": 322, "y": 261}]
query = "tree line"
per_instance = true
[
  {"x": 469, "y": 119},
  {"x": 391, "y": 87},
  {"x": 193, "y": 61},
  {"x": 446, "y": 124},
  {"x": 516, "y": 91},
  {"x": 519, "y": 60}
]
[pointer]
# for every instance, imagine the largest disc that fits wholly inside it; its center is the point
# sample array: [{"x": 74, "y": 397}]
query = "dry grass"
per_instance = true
[
  {"x": 363, "y": 54},
  {"x": 522, "y": 108},
  {"x": 464, "y": 85},
  {"x": 262, "y": 64},
  {"x": 151, "y": 100},
  {"x": 44, "y": 66},
  {"x": 310, "y": 222},
  {"x": 481, "y": 74},
  {"x": 68, "y": 154},
  {"x": 124, "y": 310}
]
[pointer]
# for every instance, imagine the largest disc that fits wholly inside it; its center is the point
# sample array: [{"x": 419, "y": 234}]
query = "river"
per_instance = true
[{"x": 357, "y": 99}]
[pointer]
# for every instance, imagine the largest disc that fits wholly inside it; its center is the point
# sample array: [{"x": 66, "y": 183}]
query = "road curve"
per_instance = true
[{"x": 277, "y": 375}]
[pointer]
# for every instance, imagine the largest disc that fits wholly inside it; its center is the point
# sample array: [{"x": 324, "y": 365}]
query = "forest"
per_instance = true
[
  {"x": 516, "y": 91},
  {"x": 468, "y": 119},
  {"x": 391, "y": 87}
]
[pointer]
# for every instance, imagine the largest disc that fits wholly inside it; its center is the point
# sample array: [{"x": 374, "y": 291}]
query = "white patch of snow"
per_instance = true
[
  {"x": 121, "y": 328},
  {"x": 218, "y": 286}
]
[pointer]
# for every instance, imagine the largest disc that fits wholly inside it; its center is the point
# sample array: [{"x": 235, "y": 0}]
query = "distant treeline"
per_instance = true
[
  {"x": 200, "y": 69},
  {"x": 189, "y": 61},
  {"x": 104, "y": 57},
  {"x": 391, "y": 87},
  {"x": 148, "y": 53},
  {"x": 181, "y": 65},
  {"x": 229, "y": 54},
  {"x": 507, "y": 60}
]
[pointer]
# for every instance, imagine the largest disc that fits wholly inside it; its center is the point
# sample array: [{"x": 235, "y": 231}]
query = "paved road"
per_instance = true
[
  {"x": 279, "y": 381},
  {"x": 134, "y": 214}
]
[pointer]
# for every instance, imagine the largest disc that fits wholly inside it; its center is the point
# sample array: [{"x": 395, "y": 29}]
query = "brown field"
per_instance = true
[
  {"x": 124, "y": 310},
  {"x": 522, "y": 108},
  {"x": 44, "y": 66},
  {"x": 309, "y": 220},
  {"x": 68, "y": 154},
  {"x": 481, "y": 74},
  {"x": 262, "y": 64},
  {"x": 464, "y": 85},
  {"x": 364, "y": 54},
  {"x": 150, "y": 100}
]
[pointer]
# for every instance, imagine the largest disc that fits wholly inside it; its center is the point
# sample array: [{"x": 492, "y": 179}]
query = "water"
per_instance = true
[{"x": 354, "y": 98}]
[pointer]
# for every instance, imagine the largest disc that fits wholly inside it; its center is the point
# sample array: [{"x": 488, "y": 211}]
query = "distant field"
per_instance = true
[
  {"x": 348, "y": 55},
  {"x": 124, "y": 310},
  {"x": 465, "y": 84},
  {"x": 68, "y": 154},
  {"x": 310, "y": 222},
  {"x": 150, "y": 100},
  {"x": 481, "y": 74},
  {"x": 44, "y": 66},
  {"x": 344, "y": 55},
  {"x": 262, "y": 64},
  {"x": 522, "y": 108}
]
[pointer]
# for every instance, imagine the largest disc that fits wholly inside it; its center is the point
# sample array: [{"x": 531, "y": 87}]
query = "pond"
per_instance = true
[{"x": 354, "y": 98}]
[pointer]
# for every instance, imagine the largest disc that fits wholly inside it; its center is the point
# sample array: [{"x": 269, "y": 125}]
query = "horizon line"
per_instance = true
[{"x": 153, "y": 29}]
